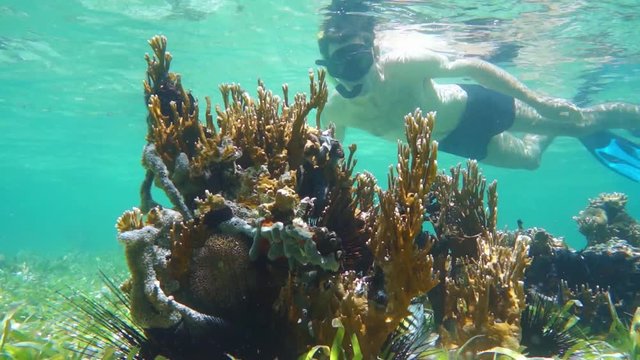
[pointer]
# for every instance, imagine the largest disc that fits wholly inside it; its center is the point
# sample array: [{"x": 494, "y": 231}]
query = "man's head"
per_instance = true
[{"x": 347, "y": 44}]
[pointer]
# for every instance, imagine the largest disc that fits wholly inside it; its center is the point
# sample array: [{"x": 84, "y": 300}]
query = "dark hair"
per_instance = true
[{"x": 346, "y": 19}]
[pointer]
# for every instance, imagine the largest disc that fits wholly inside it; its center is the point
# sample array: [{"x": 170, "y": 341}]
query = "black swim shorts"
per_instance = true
[{"x": 487, "y": 114}]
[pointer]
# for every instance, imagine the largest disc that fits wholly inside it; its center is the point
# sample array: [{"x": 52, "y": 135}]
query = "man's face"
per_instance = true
[{"x": 348, "y": 63}]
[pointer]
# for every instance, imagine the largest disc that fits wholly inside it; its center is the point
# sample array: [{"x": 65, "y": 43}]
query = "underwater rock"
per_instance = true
[
  {"x": 219, "y": 305},
  {"x": 562, "y": 274},
  {"x": 207, "y": 277},
  {"x": 615, "y": 265},
  {"x": 543, "y": 243},
  {"x": 605, "y": 218}
]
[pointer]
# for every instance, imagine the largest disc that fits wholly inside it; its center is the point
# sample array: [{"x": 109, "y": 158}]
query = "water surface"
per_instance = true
[{"x": 73, "y": 116}]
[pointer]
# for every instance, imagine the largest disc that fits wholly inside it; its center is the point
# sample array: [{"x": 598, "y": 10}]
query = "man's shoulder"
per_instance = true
[
  {"x": 406, "y": 45},
  {"x": 411, "y": 65},
  {"x": 407, "y": 60}
]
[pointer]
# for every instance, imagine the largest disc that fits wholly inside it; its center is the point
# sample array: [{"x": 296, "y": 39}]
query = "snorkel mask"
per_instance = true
[{"x": 349, "y": 63}]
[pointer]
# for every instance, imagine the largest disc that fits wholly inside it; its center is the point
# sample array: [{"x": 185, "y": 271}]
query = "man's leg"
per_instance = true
[
  {"x": 593, "y": 119},
  {"x": 614, "y": 116},
  {"x": 509, "y": 151}
]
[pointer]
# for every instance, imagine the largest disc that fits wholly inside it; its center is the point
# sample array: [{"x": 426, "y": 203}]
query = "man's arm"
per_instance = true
[
  {"x": 490, "y": 76},
  {"x": 434, "y": 65},
  {"x": 497, "y": 79}
]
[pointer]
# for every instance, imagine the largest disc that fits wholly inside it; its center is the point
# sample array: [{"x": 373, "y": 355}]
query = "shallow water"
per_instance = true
[{"x": 73, "y": 121}]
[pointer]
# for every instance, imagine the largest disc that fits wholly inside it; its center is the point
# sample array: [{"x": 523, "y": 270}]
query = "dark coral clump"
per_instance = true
[
  {"x": 591, "y": 275},
  {"x": 606, "y": 218}
]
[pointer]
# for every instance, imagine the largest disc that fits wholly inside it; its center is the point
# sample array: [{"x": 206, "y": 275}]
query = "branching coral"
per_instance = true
[
  {"x": 185, "y": 157},
  {"x": 351, "y": 211},
  {"x": 173, "y": 124},
  {"x": 486, "y": 297},
  {"x": 482, "y": 290},
  {"x": 459, "y": 217},
  {"x": 400, "y": 221},
  {"x": 270, "y": 133},
  {"x": 594, "y": 305}
]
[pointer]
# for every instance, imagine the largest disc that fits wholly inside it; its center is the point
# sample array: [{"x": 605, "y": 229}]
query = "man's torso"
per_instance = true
[{"x": 382, "y": 109}]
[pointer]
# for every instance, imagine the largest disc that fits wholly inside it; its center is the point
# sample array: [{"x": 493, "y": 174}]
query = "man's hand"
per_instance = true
[{"x": 557, "y": 109}]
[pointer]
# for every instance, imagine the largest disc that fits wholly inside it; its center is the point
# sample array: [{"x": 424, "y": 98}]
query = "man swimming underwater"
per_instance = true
[{"x": 383, "y": 76}]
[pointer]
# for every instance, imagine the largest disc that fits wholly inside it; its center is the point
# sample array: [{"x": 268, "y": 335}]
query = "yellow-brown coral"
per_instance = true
[
  {"x": 185, "y": 236},
  {"x": 270, "y": 133},
  {"x": 487, "y": 297},
  {"x": 483, "y": 276},
  {"x": 134, "y": 219},
  {"x": 211, "y": 202},
  {"x": 408, "y": 269},
  {"x": 130, "y": 220},
  {"x": 173, "y": 124}
]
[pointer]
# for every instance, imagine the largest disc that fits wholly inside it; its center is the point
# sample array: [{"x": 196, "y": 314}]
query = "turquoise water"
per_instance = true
[{"x": 73, "y": 117}]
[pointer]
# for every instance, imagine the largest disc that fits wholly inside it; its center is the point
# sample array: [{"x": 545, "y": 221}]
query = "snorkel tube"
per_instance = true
[{"x": 349, "y": 94}]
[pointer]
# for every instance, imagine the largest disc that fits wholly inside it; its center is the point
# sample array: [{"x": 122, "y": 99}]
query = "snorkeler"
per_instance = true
[{"x": 382, "y": 76}]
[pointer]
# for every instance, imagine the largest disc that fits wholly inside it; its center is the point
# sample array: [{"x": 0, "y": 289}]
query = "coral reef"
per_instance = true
[
  {"x": 607, "y": 272},
  {"x": 605, "y": 218},
  {"x": 486, "y": 298},
  {"x": 217, "y": 256},
  {"x": 482, "y": 289},
  {"x": 592, "y": 276},
  {"x": 271, "y": 239}
]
